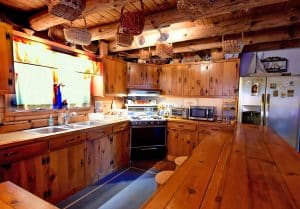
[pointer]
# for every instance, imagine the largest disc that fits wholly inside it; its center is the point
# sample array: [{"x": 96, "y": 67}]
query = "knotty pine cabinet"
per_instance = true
[
  {"x": 121, "y": 145},
  {"x": 171, "y": 79},
  {"x": 142, "y": 76},
  {"x": 115, "y": 76},
  {"x": 97, "y": 155},
  {"x": 184, "y": 136},
  {"x": 182, "y": 139},
  {"x": 6, "y": 59},
  {"x": 27, "y": 167},
  {"x": 200, "y": 79},
  {"x": 66, "y": 165}
]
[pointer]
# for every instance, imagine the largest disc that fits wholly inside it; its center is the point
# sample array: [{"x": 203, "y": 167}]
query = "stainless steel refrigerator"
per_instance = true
[{"x": 274, "y": 102}]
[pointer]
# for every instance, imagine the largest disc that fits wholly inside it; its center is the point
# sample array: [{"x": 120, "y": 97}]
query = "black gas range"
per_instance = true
[{"x": 148, "y": 137}]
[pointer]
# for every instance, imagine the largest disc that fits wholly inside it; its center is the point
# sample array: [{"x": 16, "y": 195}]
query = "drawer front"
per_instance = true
[
  {"x": 182, "y": 126},
  {"x": 22, "y": 152},
  {"x": 65, "y": 141},
  {"x": 99, "y": 133},
  {"x": 120, "y": 127}
]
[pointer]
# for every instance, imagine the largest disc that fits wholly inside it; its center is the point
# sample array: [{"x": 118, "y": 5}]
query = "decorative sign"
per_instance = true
[{"x": 275, "y": 64}]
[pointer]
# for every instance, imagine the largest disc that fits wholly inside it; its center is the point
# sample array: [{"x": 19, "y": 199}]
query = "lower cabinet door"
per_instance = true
[
  {"x": 106, "y": 156},
  {"x": 187, "y": 140},
  {"x": 30, "y": 174},
  {"x": 66, "y": 171},
  {"x": 93, "y": 160},
  {"x": 121, "y": 149}
]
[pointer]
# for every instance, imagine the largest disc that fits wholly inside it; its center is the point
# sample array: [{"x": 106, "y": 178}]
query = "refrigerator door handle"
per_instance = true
[
  {"x": 262, "y": 110},
  {"x": 267, "y": 109}
]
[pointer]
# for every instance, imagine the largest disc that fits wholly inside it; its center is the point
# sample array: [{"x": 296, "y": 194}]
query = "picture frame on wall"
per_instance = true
[{"x": 275, "y": 64}]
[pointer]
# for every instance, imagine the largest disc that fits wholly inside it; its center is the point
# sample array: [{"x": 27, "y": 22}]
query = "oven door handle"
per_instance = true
[
  {"x": 151, "y": 148},
  {"x": 149, "y": 126}
]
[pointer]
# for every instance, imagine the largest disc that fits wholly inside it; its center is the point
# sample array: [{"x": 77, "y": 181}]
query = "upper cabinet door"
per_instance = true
[
  {"x": 165, "y": 79},
  {"x": 115, "y": 75},
  {"x": 136, "y": 75},
  {"x": 216, "y": 79},
  {"x": 176, "y": 80},
  {"x": 230, "y": 78},
  {"x": 151, "y": 76},
  {"x": 197, "y": 80},
  {"x": 6, "y": 59}
]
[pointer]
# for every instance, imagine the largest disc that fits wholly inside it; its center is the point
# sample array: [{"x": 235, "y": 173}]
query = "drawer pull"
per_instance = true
[{"x": 9, "y": 154}]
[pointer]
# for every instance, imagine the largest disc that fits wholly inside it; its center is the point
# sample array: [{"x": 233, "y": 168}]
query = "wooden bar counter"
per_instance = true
[
  {"x": 14, "y": 197},
  {"x": 254, "y": 169}
]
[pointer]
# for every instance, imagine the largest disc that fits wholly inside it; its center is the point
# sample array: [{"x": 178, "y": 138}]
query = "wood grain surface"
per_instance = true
[
  {"x": 253, "y": 169},
  {"x": 14, "y": 197}
]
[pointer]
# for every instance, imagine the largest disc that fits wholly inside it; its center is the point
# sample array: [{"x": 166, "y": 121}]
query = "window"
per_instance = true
[{"x": 36, "y": 76}]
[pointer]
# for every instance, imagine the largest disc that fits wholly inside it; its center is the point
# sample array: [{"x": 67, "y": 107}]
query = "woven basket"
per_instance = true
[
  {"x": 132, "y": 22},
  {"x": 145, "y": 54},
  {"x": 217, "y": 54},
  {"x": 56, "y": 33},
  {"x": 67, "y": 9},
  {"x": 123, "y": 39},
  {"x": 233, "y": 46},
  {"x": 79, "y": 36},
  {"x": 164, "y": 50}
]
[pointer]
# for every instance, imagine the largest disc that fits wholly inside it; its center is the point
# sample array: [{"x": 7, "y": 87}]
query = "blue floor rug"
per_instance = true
[{"x": 127, "y": 189}]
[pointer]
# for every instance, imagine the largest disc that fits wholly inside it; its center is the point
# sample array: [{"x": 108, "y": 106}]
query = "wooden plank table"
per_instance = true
[
  {"x": 14, "y": 197},
  {"x": 253, "y": 169}
]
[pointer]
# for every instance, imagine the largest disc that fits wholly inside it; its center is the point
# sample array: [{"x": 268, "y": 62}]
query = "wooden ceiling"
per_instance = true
[{"x": 262, "y": 21}]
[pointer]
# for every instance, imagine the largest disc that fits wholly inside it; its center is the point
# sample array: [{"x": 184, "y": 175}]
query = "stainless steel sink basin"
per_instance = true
[
  {"x": 90, "y": 123},
  {"x": 48, "y": 130},
  {"x": 74, "y": 125}
]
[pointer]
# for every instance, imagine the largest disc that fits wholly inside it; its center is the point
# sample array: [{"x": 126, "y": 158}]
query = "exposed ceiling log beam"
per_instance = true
[
  {"x": 43, "y": 20},
  {"x": 169, "y": 17},
  {"x": 273, "y": 45},
  {"x": 245, "y": 24},
  {"x": 258, "y": 37}
]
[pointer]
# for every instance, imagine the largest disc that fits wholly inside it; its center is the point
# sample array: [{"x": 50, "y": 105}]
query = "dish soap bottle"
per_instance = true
[{"x": 50, "y": 120}]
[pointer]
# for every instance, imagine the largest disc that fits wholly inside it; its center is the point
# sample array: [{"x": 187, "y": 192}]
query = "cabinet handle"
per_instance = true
[
  {"x": 146, "y": 75},
  {"x": 141, "y": 74},
  {"x": 9, "y": 154},
  {"x": 10, "y": 82},
  {"x": 184, "y": 79}
]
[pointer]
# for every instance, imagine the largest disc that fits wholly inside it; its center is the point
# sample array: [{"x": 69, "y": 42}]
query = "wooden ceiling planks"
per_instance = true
[{"x": 24, "y": 5}]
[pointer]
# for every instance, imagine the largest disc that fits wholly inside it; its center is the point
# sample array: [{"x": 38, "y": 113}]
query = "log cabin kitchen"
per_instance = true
[{"x": 149, "y": 104}]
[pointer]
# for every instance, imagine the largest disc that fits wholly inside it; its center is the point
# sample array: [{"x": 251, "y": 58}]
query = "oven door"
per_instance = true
[
  {"x": 147, "y": 142},
  {"x": 147, "y": 136}
]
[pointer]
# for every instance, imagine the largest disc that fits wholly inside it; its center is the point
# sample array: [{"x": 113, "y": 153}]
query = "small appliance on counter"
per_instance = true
[
  {"x": 179, "y": 112},
  {"x": 202, "y": 113}
]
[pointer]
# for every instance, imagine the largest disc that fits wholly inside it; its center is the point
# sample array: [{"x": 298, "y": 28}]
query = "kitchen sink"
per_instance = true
[
  {"x": 48, "y": 130},
  {"x": 90, "y": 123},
  {"x": 74, "y": 125}
]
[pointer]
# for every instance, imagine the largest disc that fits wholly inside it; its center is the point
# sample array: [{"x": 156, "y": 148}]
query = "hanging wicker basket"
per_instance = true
[
  {"x": 56, "y": 33},
  {"x": 164, "y": 50},
  {"x": 67, "y": 9},
  {"x": 79, "y": 36},
  {"x": 123, "y": 39},
  {"x": 233, "y": 46},
  {"x": 132, "y": 22}
]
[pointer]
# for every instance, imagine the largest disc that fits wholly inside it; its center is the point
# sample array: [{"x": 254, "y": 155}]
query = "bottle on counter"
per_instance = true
[{"x": 50, "y": 120}]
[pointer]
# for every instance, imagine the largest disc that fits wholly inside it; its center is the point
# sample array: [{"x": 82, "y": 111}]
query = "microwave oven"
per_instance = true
[
  {"x": 202, "y": 113},
  {"x": 179, "y": 112}
]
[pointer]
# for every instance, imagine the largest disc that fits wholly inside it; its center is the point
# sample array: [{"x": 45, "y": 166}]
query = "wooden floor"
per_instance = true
[{"x": 253, "y": 169}]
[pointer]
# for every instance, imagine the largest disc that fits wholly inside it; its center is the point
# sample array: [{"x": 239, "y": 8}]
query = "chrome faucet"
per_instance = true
[{"x": 67, "y": 116}]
